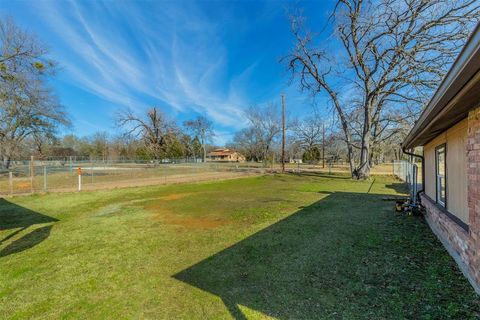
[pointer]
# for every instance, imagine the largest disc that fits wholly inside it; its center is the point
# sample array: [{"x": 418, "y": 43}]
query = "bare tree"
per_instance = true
[
  {"x": 309, "y": 132},
  {"x": 247, "y": 142},
  {"x": 396, "y": 53},
  {"x": 27, "y": 105},
  {"x": 257, "y": 140},
  {"x": 154, "y": 130},
  {"x": 294, "y": 148},
  {"x": 192, "y": 146},
  {"x": 202, "y": 128},
  {"x": 39, "y": 143},
  {"x": 266, "y": 125}
]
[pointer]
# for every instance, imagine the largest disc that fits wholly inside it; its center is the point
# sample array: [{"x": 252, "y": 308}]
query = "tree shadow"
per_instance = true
[
  {"x": 17, "y": 218},
  {"x": 336, "y": 258},
  {"x": 399, "y": 187},
  {"x": 316, "y": 174},
  {"x": 27, "y": 241}
]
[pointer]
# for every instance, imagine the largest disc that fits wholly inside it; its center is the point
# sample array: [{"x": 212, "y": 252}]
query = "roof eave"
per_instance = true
[{"x": 463, "y": 69}]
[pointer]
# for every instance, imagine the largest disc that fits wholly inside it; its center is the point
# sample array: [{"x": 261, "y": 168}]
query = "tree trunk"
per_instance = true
[
  {"x": 351, "y": 161},
  {"x": 348, "y": 140},
  {"x": 363, "y": 170},
  {"x": 265, "y": 157},
  {"x": 6, "y": 161},
  {"x": 204, "y": 148},
  {"x": 372, "y": 159}
]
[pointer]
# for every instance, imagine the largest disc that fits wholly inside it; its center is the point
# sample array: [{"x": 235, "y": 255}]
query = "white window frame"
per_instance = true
[{"x": 438, "y": 177}]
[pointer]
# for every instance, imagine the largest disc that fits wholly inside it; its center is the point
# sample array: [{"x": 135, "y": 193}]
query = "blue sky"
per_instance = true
[{"x": 213, "y": 58}]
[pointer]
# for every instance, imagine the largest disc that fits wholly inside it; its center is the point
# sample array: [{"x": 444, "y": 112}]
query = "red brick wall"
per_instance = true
[
  {"x": 463, "y": 245},
  {"x": 473, "y": 180},
  {"x": 457, "y": 238}
]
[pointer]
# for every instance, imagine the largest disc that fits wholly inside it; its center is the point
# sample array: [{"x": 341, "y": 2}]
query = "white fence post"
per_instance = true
[{"x": 79, "y": 172}]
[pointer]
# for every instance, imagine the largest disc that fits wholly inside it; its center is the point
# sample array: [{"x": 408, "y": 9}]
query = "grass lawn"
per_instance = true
[{"x": 282, "y": 246}]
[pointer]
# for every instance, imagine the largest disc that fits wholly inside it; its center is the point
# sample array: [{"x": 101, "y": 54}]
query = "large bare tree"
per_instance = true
[
  {"x": 394, "y": 54},
  {"x": 258, "y": 138},
  {"x": 154, "y": 129},
  {"x": 309, "y": 133},
  {"x": 247, "y": 141},
  {"x": 265, "y": 125},
  {"x": 28, "y": 106}
]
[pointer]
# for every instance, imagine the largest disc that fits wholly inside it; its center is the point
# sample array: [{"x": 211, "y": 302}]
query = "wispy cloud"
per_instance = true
[
  {"x": 177, "y": 58},
  {"x": 186, "y": 57}
]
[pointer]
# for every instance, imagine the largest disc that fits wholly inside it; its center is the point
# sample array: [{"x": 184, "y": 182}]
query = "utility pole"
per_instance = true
[
  {"x": 283, "y": 133},
  {"x": 323, "y": 145}
]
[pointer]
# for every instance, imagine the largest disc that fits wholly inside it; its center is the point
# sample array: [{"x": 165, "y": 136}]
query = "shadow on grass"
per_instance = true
[
  {"x": 333, "y": 175},
  {"x": 345, "y": 256},
  {"x": 18, "y": 219},
  {"x": 27, "y": 241},
  {"x": 399, "y": 187}
]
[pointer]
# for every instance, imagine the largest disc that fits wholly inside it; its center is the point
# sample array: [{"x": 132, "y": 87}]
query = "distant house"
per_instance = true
[
  {"x": 449, "y": 132},
  {"x": 226, "y": 155}
]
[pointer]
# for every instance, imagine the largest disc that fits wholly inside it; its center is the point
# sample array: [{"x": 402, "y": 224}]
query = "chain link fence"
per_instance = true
[
  {"x": 409, "y": 173},
  {"x": 24, "y": 177},
  {"x": 76, "y": 174}
]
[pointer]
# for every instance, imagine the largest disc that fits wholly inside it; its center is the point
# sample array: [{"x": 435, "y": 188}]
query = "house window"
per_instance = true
[{"x": 441, "y": 174}]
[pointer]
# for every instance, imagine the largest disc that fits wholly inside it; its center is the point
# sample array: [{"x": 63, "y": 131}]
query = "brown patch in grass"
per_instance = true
[
  {"x": 174, "y": 196},
  {"x": 168, "y": 217},
  {"x": 193, "y": 222},
  {"x": 24, "y": 185},
  {"x": 158, "y": 204}
]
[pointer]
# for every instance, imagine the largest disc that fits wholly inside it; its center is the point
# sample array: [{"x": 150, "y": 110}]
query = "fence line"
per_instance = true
[
  {"x": 24, "y": 176},
  {"x": 408, "y": 172},
  {"x": 44, "y": 176}
]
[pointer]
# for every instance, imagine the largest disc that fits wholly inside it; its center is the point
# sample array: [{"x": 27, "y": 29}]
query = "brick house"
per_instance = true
[
  {"x": 449, "y": 132},
  {"x": 225, "y": 155}
]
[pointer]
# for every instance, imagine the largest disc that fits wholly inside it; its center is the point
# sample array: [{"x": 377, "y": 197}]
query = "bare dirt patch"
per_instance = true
[
  {"x": 166, "y": 216},
  {"x": 174, "y": 196}
]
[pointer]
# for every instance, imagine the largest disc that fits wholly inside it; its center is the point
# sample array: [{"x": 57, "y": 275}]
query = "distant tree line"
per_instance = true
[
  {"x": 314, "y": 139},
  {"x": 152, "y": 137}
]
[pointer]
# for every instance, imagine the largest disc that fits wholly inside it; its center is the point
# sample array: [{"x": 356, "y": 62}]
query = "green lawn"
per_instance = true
[{"x": 281, "y": 246}]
